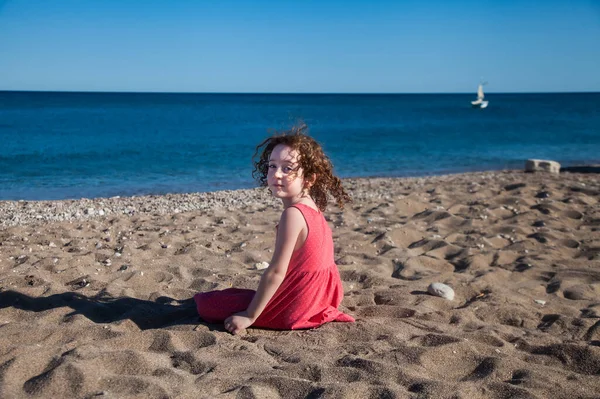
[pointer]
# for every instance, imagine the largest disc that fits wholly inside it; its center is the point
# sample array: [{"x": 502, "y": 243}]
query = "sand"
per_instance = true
[{"x": 97, "y": 303}]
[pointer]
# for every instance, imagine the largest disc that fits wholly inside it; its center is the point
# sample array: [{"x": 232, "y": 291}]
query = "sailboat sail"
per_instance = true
[{"x": 480, "y": 92}]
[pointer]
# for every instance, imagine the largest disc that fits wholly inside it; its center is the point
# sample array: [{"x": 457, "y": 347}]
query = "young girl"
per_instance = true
[{"x": 301, "y": 288}]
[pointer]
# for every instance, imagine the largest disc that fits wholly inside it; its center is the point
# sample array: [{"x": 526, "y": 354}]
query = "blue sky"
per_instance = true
[{"x": 300, "y": 46}]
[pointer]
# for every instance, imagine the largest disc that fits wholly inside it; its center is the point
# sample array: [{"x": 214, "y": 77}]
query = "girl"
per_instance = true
[{"x": 301, "y": 288}]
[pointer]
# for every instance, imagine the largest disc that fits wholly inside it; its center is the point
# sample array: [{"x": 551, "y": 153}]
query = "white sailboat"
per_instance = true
[{"x": 480, "y": 102}]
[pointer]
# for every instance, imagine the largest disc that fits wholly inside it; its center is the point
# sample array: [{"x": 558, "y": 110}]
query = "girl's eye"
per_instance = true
[
  {"x": 272, "y": 167},
  {"x": 287, "y": 169}
]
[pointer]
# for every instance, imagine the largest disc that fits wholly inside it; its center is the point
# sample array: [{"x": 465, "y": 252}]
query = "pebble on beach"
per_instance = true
[
  {"x": 261, "y": 265},
  {"x": 441, "y": 290}
]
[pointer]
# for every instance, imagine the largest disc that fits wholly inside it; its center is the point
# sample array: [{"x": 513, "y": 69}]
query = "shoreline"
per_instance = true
[
  {"x": 590, "y": 167},
  {"x": 23, "y": 212}
]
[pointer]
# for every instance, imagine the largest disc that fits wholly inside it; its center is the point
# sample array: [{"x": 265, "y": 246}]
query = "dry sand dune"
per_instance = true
[{"x": 99, "y": 306}]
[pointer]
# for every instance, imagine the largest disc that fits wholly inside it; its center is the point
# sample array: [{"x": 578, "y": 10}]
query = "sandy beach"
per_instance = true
[{"x": 95, "y": 295}]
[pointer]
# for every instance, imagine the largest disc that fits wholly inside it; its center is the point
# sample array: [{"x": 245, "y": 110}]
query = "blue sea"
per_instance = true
[{"x": 74, "y": 145}]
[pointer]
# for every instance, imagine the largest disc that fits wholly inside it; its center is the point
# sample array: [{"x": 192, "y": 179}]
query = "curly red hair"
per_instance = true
[{"x": 311, "y": 159}]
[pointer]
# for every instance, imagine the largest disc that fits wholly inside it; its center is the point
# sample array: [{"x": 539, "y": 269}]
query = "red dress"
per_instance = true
[{"x": 308, "y": 296}]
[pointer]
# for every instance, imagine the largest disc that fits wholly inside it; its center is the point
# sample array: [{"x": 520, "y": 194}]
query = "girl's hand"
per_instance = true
[{"x": 238, "y": 322}]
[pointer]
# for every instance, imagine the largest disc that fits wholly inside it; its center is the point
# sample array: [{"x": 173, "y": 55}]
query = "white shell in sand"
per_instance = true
[{"x": 442, "y": 290}]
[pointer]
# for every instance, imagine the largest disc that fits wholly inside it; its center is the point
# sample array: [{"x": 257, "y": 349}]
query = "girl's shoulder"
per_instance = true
[
  {"x": 292, "y": 215},
  {"x": 311, "y": 206}
]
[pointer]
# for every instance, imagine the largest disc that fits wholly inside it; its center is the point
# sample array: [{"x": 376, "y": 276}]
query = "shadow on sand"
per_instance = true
[{"x": 103, "y": 308}]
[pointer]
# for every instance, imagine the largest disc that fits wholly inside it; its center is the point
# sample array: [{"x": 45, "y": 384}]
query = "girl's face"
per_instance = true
[{"x": 285, "y": 177}]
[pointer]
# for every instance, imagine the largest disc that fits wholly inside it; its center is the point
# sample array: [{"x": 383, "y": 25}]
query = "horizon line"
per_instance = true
[{"x": 288, "y": 93}]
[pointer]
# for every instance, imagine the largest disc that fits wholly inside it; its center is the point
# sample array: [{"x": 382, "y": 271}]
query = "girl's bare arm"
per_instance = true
[{"x": 290, "y": 226}]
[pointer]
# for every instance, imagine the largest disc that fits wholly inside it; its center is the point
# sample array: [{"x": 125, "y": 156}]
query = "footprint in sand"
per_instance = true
[{"x": 188, "y": 362}]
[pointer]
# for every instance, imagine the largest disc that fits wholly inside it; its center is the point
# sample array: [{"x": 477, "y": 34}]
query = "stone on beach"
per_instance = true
[
  {"x": 261, "y": 265},
  {"x": 441, "y": 290},
  {"x": 542, "y": 165}
]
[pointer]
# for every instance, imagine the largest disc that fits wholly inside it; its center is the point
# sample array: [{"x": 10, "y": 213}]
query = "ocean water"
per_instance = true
[{"x": 74, "y": 145}]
